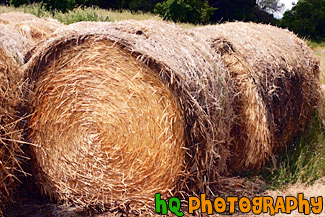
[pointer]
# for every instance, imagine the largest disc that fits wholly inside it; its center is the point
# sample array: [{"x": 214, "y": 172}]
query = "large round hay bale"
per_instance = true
[
  {"x": 10, "y": 147},
  {"x": 277, "y": 77},
  {"x": 111, "y": 105},
  {"x": 32, "y": 28}
]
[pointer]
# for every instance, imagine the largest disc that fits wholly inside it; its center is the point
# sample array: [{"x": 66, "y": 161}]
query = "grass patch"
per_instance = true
[
  {"x": 80, "y": 14},
  {"x": 75, "y": 15},
  {"x": 86, "y": 14},
  {"x": 304, "y": 161},
  {"x": 314, "y": 44},
  {"x": 320, "y": 53}
]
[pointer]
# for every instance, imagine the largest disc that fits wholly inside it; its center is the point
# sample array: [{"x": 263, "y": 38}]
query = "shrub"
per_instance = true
[{"x": 61, "y": 5}]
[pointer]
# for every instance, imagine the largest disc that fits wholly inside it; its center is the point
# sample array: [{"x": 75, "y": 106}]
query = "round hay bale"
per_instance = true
[
  {"x": 10, "y": 147},
  {"x": 277, "y": 77},
  {"x": 32, "y": 28},
  {"x": 117, "y": 131},
  {"x": 112, "y": 103}
]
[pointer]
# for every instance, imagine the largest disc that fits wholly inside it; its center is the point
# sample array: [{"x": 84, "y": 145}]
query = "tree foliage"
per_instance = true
[
  {"x": 62, "y": 5},
  {"x": 307, "y": 18},
  {"x": 229, "y": 10},
  {"x": 133, "y": 5},
  {"x": 16, "y": 3},
  {"x": 270, "y": 5},
  {"x": 242, "y": 10},
  {"x": 193, "y": 11}
]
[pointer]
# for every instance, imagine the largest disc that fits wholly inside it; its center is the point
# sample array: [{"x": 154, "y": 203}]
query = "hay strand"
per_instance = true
[
  {"x": 10, "y": 135},
  {"x": 31, "y": 28}
]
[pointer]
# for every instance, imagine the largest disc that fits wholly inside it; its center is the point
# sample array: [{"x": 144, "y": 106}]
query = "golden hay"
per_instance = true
[
  {"x": 10, "y": 152},
  {"x": 111, "y": 133},
  {"x": 32, "y": 28},
  {"x": 123, "y": 92},
  {"x": 12, "y": 51},
  {"x": 277, "y": 77}
]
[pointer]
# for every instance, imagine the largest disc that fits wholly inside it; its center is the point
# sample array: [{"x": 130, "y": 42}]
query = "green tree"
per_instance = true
[
  {"x": 244, "y": 10},
  {"x": 193, "y": 11},
  {"x": 307, "y": 18},
  {"x": 62, "y": 5},
  {"x": 133, "y": 5},
  {"x": 230, "y": 10},
  {"x": 140, "y": 5},
  {"x": 271, "y": 6}
]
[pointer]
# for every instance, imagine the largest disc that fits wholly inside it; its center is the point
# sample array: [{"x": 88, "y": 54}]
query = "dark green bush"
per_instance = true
[
  {"x": 61, "y": 5},
  {"x": 192, "y": 11},
  {"x": 17, "y": 3},
  {"x": 140, "y": 5}
]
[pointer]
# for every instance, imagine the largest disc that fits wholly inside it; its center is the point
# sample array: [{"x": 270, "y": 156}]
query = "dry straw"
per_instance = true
[
  {"x": 31, "y": 28},
  {"x": 277, "y": 78},
  {"x": 112, "y": 103},
  {"x": 14, "y": 45},
  {"x": 10, "y": 135},
  {"x": 12, "y": 42}
]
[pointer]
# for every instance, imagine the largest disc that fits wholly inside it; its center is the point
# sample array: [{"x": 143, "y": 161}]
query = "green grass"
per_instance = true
[
  {"x": 81, "y": 14},
  {"x": 86, "y": 14},
  {"x": 303, "y": 161},
  {"x": 314, "y": 45},
  {"x": 320, "y": 53}
]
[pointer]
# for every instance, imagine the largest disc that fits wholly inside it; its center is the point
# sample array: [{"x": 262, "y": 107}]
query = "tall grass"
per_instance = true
[
  {"x": 314, "y": 44},
  {"x": 303, "y": 161},
  {"x": 86, "y": 14},
  {"x": 81, "y": 14},
  {"x": 320, "y": 53}
]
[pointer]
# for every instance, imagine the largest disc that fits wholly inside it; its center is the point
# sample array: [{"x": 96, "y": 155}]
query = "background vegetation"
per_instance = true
[{"x": 306, "y": 18}]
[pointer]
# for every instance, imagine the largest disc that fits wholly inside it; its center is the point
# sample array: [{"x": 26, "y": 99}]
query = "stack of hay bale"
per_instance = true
[
  {"x": 121, "y": 111},
  {"x": 86, "y": 113}
]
